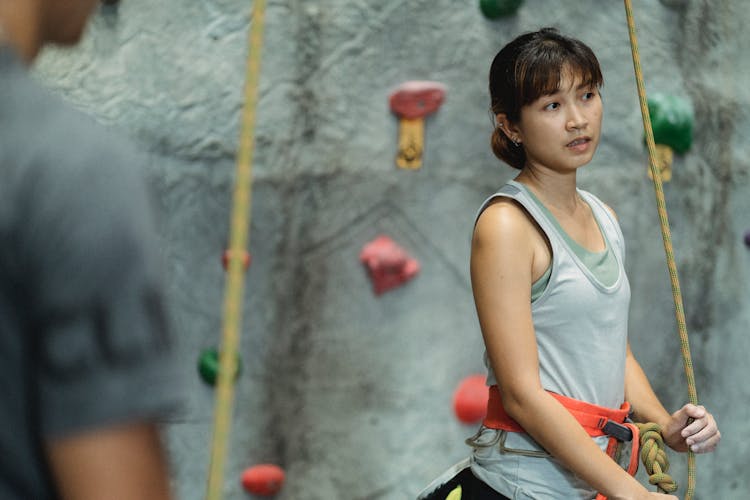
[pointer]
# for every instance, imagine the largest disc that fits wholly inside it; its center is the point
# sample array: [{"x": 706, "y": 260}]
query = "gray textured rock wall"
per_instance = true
[{"x": 351, "y": 393}]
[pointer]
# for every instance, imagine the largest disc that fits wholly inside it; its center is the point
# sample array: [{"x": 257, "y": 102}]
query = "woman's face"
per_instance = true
[{"x": 561, "y": 131}]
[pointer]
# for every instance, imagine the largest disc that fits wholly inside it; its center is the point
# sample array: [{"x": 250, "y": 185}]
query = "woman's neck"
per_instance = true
[{"x": 557, "y": 191}]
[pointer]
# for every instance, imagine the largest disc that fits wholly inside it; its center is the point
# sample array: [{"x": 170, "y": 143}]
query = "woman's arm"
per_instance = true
[
  {"x": 503, "y": 252},
  {"x": 646, "y": 406},
  {"x": 702, "y": 435},
  {"x": 119, "y": 462}
]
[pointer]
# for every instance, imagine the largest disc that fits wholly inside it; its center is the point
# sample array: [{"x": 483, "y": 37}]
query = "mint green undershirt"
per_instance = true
[{"x": 602, "y": 265}]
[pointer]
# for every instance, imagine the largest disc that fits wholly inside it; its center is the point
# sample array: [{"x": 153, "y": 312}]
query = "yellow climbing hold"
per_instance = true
[
  {"x": 664, "y": 159},
  {"x": 455, "y": 494}
]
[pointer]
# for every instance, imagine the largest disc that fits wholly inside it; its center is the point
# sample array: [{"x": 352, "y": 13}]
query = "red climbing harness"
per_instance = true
[{"x": 595, "y": 420}]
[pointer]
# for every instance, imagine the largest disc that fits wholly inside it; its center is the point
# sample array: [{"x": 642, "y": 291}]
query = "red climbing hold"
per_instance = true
[
  {"x": 263, "y": 479},
  {"x": 470, "y": 399},
  {"x": 417, "y": 99},
  {"x": 388, "y": 264},
  {"x": 246, "y": 259}
]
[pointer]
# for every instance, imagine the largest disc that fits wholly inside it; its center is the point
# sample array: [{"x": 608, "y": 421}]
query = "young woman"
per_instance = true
[{"x": 552, "y": 297}]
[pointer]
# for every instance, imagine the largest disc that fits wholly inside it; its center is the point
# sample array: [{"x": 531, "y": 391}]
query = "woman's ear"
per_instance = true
[{"x": 509, "y": 129}]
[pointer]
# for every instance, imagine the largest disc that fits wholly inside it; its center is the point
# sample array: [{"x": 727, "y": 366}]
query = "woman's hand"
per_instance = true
[{"x": 701, "y": 436}]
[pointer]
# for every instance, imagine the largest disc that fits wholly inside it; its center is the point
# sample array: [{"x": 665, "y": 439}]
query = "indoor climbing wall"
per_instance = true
[{"x": 358, "y": 320}]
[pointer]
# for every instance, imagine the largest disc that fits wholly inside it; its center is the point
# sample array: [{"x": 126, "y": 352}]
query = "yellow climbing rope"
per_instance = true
[
  {"x": 666, "y": 235},
  {"x": 654, "y": 457},
  {"x": 238, "y": 241}
]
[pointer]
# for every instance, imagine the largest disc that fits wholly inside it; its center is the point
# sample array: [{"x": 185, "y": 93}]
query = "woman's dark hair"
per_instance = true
[{"x": 528, "y": 68}]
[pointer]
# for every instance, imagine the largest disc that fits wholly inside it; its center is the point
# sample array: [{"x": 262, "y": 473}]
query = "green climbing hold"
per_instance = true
[
  {"x": 672, "y": 121},
  {"x": 208, "y": 366},
  {"x": 494, "y": 9}
]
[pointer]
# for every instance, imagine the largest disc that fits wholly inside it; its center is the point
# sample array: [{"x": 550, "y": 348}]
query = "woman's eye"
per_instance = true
[
  {"x": 588, "y": 95},
  {"x": 552, "y": 106}
]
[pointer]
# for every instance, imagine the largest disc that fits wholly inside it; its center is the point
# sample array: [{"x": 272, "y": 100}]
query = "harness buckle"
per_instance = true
[{"x": 617, "y": 431}]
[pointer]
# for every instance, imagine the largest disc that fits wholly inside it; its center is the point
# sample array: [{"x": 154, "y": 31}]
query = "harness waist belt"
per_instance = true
[{"x": 595, "y": 420}]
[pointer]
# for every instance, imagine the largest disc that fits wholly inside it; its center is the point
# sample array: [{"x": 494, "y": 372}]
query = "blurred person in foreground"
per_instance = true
[{"x": 86, "y": 370}]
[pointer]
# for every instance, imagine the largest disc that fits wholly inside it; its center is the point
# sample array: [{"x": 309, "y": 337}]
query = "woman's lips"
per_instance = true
[{"x": 580, "y": 144}]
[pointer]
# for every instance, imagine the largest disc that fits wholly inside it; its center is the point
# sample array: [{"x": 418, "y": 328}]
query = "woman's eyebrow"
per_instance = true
[
  {"x": 581, "y": 86},
  {"x": 552, "y": 93}
]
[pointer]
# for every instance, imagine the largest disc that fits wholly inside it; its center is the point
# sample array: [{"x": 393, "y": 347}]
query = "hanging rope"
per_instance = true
[
  {"x": 238, "y": 241},
  {"x": 666, "y": 236}
]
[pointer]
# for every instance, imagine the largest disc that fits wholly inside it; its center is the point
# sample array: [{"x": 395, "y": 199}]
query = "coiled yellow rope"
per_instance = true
[
  {"x": 238, "y": 241},
  {"x": 666, "y": 235},
  {"x": 654, "y": 457}
]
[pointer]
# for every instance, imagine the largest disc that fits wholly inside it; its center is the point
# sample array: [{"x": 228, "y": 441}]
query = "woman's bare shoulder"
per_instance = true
[{"x": 502, "y": 218}]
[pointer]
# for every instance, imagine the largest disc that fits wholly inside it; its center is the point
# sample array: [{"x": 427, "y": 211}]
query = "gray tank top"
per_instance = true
[{"x": 581, "y": 332}]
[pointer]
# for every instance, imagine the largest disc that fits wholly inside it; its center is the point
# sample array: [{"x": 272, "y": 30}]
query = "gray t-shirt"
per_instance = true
[{"x": 83, "y": 331}]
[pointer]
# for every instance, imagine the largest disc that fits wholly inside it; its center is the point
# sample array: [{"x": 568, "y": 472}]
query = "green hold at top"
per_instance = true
[
  {"x": 672, "y": 121},
  {"x": 494, "y": 9}
]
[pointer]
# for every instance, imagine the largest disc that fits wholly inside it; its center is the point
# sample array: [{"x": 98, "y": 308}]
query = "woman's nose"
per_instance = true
[{"x": 576, "y": 119}]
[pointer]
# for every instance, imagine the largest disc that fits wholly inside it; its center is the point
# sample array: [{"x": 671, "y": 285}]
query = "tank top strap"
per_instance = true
[
  {"x": 513, "y": 190},
  {"x": 608, "y": 222}
]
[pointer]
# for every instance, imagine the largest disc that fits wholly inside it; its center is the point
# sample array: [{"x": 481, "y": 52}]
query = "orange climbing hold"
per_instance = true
[
  {"x": 263, "y": 479},
  {"x": 470, "y": 399}
]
